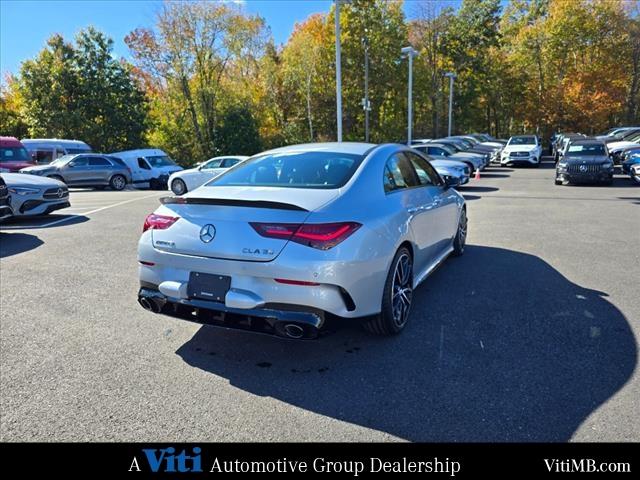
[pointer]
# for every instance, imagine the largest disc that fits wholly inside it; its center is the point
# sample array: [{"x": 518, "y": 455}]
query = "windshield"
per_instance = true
[
  {"x": 14, "y": 154},
  {"x": 527, "y": 140},
  {"x": 61, "y": 160},
  {"x": 293, "y": 170},
  {"x": 586, "y": 149},
  {"x": 160, "y": 161}
]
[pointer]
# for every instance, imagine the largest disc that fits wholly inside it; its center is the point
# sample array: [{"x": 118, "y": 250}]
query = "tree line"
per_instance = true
[{"x": 208, "y": 79}]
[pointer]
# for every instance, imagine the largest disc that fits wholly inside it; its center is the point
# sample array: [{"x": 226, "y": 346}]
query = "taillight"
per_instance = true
[
  {"x": 319, "y": 235},
  {"x": 158, "y": 222}
]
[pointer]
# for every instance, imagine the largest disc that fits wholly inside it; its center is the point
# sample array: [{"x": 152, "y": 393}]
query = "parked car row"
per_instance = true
[
  {"x": 583, "y": 159},
  {"x": 73, "y": 162}
]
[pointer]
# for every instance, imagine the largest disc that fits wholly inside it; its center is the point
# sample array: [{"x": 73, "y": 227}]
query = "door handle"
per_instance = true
[{"x": 413, "y": 210}]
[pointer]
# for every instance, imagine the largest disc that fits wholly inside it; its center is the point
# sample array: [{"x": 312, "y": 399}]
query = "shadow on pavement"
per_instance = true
[
  {"x": 14, "y": 243},
  {"x": 474, "y": 188},
  {"x": 40, "y": 222},
  {"x": 471, "y": 197},
  {"x": 500, "y": 347},
  {"x": 635, "y": 200},
  {"x": 493, "y": 175},
  {"x": 499, "y": 169}
]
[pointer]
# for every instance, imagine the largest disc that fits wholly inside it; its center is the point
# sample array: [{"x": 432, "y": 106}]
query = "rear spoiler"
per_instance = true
[{"x": 230, "y": 203}]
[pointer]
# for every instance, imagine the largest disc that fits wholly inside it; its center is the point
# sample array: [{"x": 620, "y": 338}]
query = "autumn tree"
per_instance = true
[{"x": 187, "y": 57}]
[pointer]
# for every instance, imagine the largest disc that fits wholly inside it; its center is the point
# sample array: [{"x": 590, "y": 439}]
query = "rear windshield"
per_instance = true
[
  {"x": 160, "y": 161},
  {"x": 14, "y": 154},
  {"x": 590, "y": 149},
  {"x": 528, "y": 140},
  {"x": 293, "y": 170}
]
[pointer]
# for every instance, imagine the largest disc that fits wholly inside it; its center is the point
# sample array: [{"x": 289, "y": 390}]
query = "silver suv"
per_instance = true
[{"x": 86, "y": 170}]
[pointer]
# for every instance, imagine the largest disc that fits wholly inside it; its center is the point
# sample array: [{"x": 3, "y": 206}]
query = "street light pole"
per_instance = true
[
  {"x": 338, "y": 74},
  {"x": 409, "y": 52},
  {"x": 452, "y": 77},
  {"x": 365, "y": 102}
]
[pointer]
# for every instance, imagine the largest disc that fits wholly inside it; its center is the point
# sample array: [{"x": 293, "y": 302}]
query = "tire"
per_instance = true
[
  {"x": 178, "y": 187},
  {"x": 390, "y": 320},
  {"x": 558, "y": 182},
  {"x": 154, "y": 184},
  {"x": 460, "y": 240},
  {"x": 118, "y": 182}
]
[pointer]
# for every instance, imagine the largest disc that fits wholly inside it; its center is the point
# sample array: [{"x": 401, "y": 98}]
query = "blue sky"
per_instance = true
[{"x": 25, "y": 25}]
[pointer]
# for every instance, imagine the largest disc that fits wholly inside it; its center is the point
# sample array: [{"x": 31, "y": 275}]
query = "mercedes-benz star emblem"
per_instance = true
[
  {"x": 60, "y": 193},
  {"x": 207, "y": 233},
  {"x": 583, "y": 168}
]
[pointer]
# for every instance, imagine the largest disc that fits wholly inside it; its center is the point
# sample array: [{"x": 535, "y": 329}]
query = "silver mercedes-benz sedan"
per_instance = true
[{"x": 293, "y": 235}]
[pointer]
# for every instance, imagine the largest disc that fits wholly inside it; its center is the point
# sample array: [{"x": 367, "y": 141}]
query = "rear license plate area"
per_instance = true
[{"x": 206, "y": 286}]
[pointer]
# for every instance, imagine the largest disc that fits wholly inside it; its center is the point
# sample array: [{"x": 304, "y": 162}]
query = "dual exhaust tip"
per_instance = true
[{"x": 294, "y": 331}]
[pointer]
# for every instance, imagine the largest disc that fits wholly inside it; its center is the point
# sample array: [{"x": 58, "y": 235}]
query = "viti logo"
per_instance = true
[{"x": 166, "y": 460}]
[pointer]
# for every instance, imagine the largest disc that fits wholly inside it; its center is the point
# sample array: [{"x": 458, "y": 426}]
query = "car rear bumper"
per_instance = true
[
  {"x": 279, "y": 320},
  {"x": 346, "y": 288}
]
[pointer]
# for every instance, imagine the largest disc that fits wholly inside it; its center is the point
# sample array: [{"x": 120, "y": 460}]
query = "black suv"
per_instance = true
[
  {"x": 5, "y": 201},
  {"x": 585, "y": 161}
]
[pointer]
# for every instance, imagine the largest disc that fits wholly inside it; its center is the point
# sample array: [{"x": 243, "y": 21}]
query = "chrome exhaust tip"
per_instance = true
[
  {"x": 149, "y": 304},
  {"x": 292, "y": 330}
]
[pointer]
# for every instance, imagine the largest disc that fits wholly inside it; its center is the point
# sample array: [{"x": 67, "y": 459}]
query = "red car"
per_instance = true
[{"x": 13, "y": 155}]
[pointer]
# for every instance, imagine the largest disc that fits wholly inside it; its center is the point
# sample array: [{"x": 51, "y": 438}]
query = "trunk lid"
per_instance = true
[{"x": 215, "y": 222}]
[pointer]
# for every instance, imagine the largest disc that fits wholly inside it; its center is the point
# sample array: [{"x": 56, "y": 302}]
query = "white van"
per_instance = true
[
  {"x": 46, "y": 150},
  {"x": 150, "y": 167}
]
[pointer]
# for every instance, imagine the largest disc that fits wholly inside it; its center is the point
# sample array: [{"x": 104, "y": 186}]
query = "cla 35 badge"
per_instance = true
[{"x": 207, "y": 233}]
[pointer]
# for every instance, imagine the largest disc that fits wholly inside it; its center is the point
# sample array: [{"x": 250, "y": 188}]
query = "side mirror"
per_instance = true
[
  {"x": 451, "y": 182},
  {"x": 71, "y": 164}
]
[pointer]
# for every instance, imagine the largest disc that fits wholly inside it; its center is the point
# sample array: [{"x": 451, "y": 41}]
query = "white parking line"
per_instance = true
[
  {"x": 96, "y": 210},
  {"x": 73, "y": 216}
]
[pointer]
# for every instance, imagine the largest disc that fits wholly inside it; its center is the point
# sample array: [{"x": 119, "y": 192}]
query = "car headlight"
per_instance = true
[
  {"x": 24, "y": 190},
  {"x": 607, "y": 165},
  {"x": 562, "y": 164}
]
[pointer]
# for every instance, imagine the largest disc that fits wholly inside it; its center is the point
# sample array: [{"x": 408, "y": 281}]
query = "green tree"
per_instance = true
[
  {"x": 11, "y": 123},
  {"x": 187, "y": 59},
  {"x": 81, "y": 91}
]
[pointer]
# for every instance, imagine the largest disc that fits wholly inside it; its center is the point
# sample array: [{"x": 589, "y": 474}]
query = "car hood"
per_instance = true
[
  {"x": 307, "y": 198},
  {"x": 39, "y": 168},
  {"x": 519, "y": 148},
  {"x": 615, "y": 146},
  {"x": 22, "y": 180},
  {"x": 448, "y": 164},
  {"x": 585, "y": 158},
  {"x": 169, "y": 169}
]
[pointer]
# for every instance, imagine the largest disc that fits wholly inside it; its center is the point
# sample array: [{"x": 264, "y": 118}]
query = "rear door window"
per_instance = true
[
  {"x": 99, "y": 162},
  {"x": 399, "y": 173},
  {"x": 425, "y": 171}
]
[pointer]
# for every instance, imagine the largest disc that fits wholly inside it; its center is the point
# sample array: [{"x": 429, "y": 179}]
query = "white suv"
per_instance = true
[{"x": 522, "y": 149}]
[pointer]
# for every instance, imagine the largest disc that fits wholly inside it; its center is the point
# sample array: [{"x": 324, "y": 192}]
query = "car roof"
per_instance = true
[
  {"x": 53, "y": 140},
  {"x": 588, "y": 141},
  {"x": 10, "y": 142},
  {"x": 356, "y": 148}
]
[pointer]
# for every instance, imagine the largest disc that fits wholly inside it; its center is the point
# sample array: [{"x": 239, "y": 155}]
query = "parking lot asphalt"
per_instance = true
[{"x": 532, "y": 335}]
